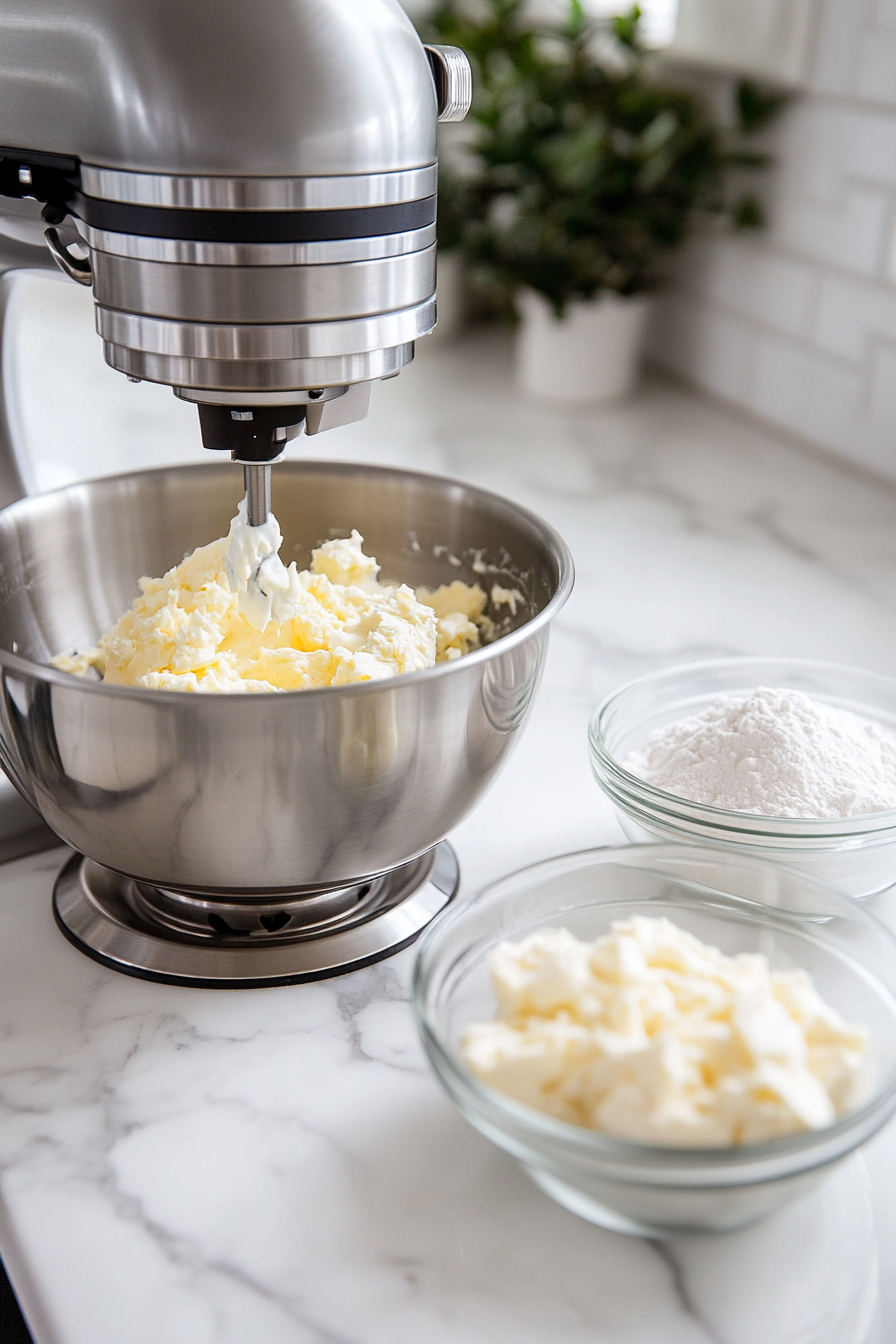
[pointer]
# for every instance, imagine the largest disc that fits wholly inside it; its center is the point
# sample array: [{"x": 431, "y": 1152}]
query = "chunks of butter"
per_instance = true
[
  {"x": 651, "y": 1035},
  {"x": 459, "y": 612},
  {"x": 232, "y": 617}
]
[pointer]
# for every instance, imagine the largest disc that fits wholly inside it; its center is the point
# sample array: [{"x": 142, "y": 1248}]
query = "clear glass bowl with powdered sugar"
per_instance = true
[{"x": 856, "y": 854}]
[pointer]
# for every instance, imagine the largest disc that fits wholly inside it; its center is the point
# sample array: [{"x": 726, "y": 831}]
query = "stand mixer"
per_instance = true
[
  {"x": 250, "y": 189},
  {"x": 256, "y": 188}
]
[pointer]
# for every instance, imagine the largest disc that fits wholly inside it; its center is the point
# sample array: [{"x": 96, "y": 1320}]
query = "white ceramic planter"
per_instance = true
[{"x": 590, "y": 355}]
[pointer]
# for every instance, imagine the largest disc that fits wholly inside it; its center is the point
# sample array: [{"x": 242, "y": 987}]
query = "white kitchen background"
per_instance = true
[
  {"x": 799, "y": 325},
  {"x": 796, "y": 325}
]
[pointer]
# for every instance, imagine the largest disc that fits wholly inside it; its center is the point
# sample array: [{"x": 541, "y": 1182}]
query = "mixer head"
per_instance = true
[{"x": 255, "y": 186}]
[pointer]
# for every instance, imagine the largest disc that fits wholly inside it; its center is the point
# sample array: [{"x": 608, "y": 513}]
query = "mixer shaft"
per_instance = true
[{"x": 257, "y": 476}]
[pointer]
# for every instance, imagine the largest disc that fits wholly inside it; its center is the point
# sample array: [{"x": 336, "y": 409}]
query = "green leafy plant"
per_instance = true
[{"x": 585, "y": 170}]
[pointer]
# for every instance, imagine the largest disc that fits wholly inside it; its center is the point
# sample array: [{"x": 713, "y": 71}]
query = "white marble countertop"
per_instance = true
[{"x": 200, "y": 1167}]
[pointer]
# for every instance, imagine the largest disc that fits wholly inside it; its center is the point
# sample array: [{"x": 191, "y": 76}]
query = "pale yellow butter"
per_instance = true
[
  {"x": 652, "y": 1035},
  {"x": 233, "y": 618},
  {"x": 459, "y": 612}
]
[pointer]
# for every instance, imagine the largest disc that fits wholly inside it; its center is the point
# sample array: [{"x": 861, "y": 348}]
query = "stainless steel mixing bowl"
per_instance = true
[{"x": 283, "y": 792}]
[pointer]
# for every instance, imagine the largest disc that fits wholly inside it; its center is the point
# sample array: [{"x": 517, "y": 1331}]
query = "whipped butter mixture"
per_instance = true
[
  {"x": 233, "y": 617},
  {"x": 651, "y": 1035}
]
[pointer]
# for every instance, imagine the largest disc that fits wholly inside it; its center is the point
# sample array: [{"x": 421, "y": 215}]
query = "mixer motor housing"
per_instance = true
[{"x": 254, "y": 187}]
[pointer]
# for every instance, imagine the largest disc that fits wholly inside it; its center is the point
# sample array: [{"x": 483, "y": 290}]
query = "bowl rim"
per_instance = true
[
  {"x": 633, "y": 1153},
  {"x": 754, "y": 824},
  {"x": 554, "y": 542}
]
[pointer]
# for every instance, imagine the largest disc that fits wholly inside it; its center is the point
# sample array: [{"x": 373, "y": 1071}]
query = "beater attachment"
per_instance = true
[{"x": 257, "y": 477}]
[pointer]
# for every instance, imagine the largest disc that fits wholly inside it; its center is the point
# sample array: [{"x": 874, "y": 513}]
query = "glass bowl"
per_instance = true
[
  {"x": 855, "y": 854},
  {"x": 734, "y": 903}
]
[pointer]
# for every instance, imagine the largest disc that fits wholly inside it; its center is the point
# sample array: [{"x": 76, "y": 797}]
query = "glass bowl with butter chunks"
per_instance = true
[
  {"x": 667, "y": 1039},
  {"x": 789, "y": 760}
]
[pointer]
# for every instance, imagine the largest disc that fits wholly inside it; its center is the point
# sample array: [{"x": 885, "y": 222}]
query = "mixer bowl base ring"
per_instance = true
[{"x": 134, "y": 929}]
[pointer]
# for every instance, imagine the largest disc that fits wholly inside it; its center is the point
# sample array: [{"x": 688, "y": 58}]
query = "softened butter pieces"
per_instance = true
[
  {"x": 651, "y": 1035},
  {"x": 233, "y": 618},
  {"x": 460, "y": 619}
]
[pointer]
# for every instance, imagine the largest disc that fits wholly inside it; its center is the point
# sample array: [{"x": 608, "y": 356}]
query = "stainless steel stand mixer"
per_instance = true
[
  {"x": 250, "y": 189},
  {"x": 256, "y": 187}
]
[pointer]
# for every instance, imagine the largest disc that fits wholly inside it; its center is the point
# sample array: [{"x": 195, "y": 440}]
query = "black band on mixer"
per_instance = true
[{"x": 253, "y": 226}]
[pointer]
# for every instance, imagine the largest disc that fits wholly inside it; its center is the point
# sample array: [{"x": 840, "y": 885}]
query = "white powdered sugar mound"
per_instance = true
[{"x": 774, "y": 752}]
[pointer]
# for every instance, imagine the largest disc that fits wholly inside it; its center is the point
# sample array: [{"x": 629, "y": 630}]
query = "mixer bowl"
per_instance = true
[{"x": 296, "y": 791}]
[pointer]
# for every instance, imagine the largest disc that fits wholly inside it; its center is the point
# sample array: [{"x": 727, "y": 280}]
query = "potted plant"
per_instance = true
[{"x": 584, "y": 173}]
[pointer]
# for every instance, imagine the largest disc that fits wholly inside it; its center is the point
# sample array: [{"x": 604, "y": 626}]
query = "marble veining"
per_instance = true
[{"x": 202, "y": 1167}]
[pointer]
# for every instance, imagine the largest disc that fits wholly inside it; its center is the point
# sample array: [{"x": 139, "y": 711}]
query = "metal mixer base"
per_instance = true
[{"x": 245, "y": 942}]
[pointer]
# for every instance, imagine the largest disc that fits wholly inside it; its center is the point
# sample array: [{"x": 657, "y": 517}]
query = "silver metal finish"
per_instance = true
[
  {"x": 261, "y": 376},
  {"x": 454, "y": 81},
  {"x": 258, "y": 254},
  {"x": 281, "y": 121},
  {"x": 333, "y": 414},
  {"x": 257, "y": 482},
  {"x": 264, "y": 343},
  {"x": 12, "y": 485},
  {"x": 259, "y": 193},
  {"x": 263, "y": 294},
  {"x": 22, "y": 830},
  {"x": 75, "y": 268},
  {"x": 275, "y": 88},
  {"x": 289, "y": 398},
  {"x": 249, "y": 794},
  {"x": 22, "y": 241},
  {"x": 227, "y": 111},
  {"x": 174, "y": 937}
]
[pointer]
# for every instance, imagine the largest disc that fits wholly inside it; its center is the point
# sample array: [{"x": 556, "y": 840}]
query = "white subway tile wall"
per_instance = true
[{"x": 799, "y": 323}]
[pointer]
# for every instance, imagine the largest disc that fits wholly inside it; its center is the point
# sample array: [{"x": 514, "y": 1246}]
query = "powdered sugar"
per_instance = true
[{"x": 776, "y": 753}]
